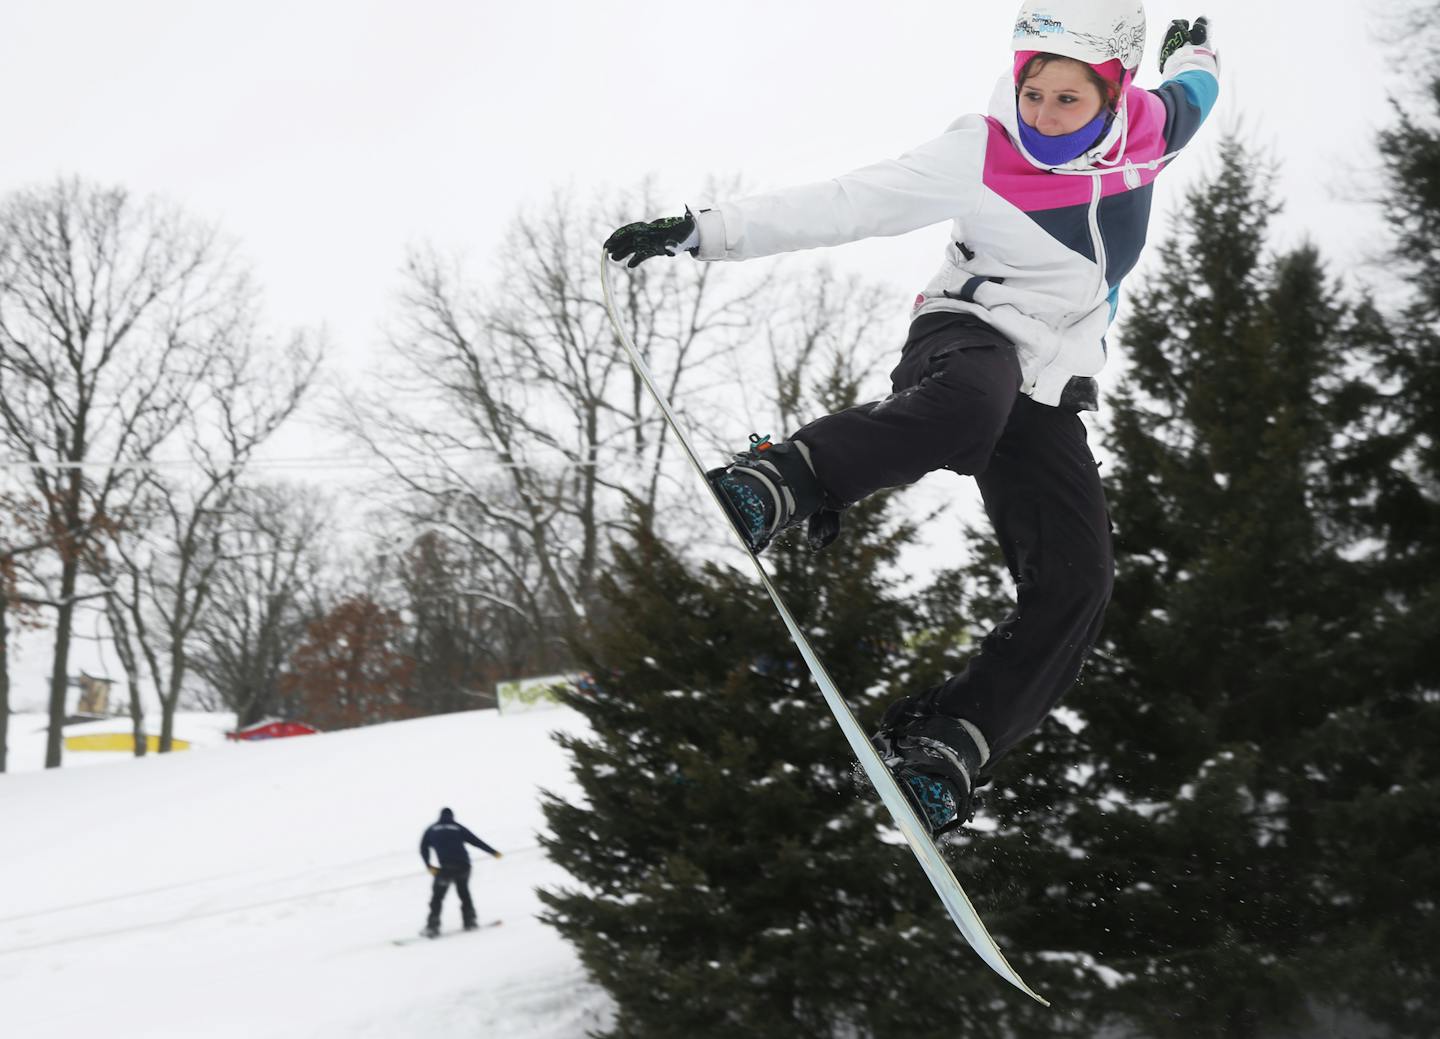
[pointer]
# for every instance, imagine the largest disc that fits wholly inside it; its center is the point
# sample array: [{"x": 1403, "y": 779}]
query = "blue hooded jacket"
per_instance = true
[{"x": 449, "y": 838}]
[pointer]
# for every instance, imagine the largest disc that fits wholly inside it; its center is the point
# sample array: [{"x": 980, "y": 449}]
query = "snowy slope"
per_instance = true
[{"x": 256, "y": 889}]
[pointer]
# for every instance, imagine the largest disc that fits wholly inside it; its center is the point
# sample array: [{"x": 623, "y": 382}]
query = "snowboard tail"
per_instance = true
[{"x": 912, "y": 828}]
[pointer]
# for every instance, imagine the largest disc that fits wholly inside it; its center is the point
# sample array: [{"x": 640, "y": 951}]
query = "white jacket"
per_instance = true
[{"x": 1037, "y": 252}]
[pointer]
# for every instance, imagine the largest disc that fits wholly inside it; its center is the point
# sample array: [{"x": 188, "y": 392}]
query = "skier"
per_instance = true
[
  {"x": 449, "y": 838},
  {"x": 1048, "y": 198}
]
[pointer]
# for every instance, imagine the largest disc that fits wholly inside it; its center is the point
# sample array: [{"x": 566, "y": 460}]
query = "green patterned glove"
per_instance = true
[
  {"x": 643, "y": 240},
  {"x": 1182, "y": 34}
]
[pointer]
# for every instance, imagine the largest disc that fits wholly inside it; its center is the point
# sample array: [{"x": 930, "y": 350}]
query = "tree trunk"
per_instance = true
[
  {"x": 137, "y": 712},
  {"x": 250, "y": 712},
  {"x": 125, "y": 650},
  {"x": 167, "y": 728},
  {"x": 171, "y": 700},
  {"x": 60, "y": 664},
  {"x": 137, "y": 715},
  {"x": 4, "y": 678}
]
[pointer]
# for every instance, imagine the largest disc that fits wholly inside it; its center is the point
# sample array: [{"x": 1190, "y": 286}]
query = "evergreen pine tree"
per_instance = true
[
  {"x": 1408, "y": 394},
  {"x": 1381, "y": 838},
  {"x": 733, "y": 876}
]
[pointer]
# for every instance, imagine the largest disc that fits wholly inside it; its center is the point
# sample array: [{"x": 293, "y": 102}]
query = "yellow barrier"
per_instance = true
[{"x": 123, "y": 741}]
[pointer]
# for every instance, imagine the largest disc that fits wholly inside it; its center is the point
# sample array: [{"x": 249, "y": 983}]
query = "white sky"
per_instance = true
[{"x": 328, "y": 135}]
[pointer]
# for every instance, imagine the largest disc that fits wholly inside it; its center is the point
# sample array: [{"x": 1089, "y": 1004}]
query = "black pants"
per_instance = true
[
  {"x": 956, "y": 405},
  {"x": 460, "y": 877}
]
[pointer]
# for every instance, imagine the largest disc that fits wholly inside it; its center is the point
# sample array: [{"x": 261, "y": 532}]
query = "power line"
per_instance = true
[{"x": 348, "y": 462}]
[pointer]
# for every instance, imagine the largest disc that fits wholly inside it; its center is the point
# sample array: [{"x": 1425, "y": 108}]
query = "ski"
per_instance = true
[
  {"x": 423, "y": 937},
  {"x": 941, "y": 877}
]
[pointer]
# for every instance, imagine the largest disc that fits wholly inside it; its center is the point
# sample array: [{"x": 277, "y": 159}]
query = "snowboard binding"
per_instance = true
[
  {"x": 767, "y": 489},
  {"x": 936, "y": 759}
]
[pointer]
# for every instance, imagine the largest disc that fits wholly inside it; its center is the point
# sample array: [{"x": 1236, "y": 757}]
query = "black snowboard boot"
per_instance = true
[
  {"x": 936, "y": 758},
  {"x": 768, "y": 488},
  {"x": 431, "y": 931}
]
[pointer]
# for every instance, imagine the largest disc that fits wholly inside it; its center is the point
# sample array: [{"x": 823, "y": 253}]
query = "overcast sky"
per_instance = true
[{"x": 326, "y": 136}]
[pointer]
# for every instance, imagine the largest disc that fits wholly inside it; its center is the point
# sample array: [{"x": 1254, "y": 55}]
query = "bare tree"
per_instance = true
[
  {"x": 827, "y": 343},
  {"x": 111, "y": 311},
  {"x": 7, "y": 593},
  {"x": 21, "y": 536},
  {"x": 171, "y": 544},
  {"x": 7, "y": 585},
  {"x": 123, "y": 639},
  {"x": 518, "y": 427},
  {"x": 264, "y": 592},
  {"x": 26, "y": 584},
  {"x": 461, "y": 641}
]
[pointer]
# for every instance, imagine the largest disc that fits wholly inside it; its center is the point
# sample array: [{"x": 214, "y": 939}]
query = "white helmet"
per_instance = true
[{"x": 1092, "y": 31}]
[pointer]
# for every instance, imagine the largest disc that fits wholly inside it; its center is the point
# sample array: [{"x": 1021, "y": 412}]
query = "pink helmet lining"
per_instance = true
[{"x": 1111, "y": 71}]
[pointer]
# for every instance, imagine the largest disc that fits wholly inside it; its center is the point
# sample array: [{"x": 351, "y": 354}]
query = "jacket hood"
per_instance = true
[
  {"x": 1003, "y": 109},
  {"x": 447, "y": 816}
]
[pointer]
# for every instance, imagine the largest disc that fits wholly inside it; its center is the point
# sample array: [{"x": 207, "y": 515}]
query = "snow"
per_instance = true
[{"x": 257, "y": 889}]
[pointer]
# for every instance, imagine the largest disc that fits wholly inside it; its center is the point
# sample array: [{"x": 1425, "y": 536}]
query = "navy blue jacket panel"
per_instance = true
[{"x": 448, "y": 839}]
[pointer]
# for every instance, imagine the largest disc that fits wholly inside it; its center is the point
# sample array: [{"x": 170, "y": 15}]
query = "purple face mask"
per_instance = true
[{"x": 1056, "y": 151}]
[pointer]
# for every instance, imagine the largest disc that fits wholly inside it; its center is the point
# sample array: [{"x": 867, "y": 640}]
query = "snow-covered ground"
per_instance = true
[{"x": 256, "y": 890}]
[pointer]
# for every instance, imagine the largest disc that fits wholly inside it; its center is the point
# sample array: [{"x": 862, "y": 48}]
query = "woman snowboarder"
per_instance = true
[{"x": 1048, "y": 198}]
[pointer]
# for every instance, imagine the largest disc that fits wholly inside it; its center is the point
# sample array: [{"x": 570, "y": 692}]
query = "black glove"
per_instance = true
[
  {"x": 646, "y": 239},
  {"x": 1182, "y": 34}
]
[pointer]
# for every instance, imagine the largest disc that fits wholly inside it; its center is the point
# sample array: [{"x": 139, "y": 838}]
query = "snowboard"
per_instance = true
[
  {"x": 915, "y": 832},
  {"x": 423, "y": 937}
]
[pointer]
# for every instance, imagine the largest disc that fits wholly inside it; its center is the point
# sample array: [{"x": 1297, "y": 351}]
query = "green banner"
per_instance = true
[{"x": 531, "y": 694}]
